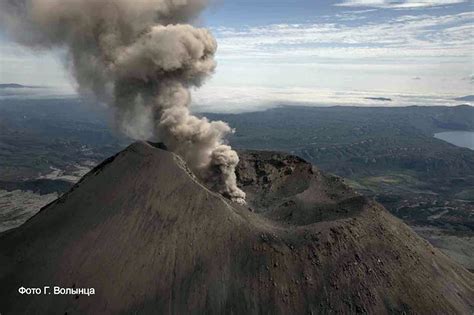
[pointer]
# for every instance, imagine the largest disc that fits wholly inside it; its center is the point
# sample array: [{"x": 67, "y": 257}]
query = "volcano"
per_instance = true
[{"x": 149, "y": 237}]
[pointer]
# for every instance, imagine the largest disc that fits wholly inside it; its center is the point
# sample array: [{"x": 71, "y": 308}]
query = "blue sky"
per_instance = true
[{"x": 315, "y": 52}]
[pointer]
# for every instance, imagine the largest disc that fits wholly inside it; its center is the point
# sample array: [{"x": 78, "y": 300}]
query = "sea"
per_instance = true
[{"x": 463, "y": 139}]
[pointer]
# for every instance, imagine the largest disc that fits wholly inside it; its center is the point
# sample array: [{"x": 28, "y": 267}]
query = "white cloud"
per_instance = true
[
  {"x": 398, "y": 4},
  {"x": 469, "y": 78},
  {"x": 311, "y": 63},
  {"x": 251, "y": 98},
  {"x": 32, "y": 67},
  {"x": 301, "y": 60},
  {"x": 404, "y": 37}
]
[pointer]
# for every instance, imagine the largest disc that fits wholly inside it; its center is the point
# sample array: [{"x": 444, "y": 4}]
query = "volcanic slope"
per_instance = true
[{"x": 150, "y": 238}]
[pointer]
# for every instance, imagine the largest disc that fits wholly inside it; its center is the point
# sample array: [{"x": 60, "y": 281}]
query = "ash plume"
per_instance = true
[{"x": 141, "y": 58}]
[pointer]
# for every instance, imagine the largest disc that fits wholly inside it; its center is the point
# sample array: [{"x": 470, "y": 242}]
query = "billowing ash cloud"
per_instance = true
[{"x": 139, "y": 58}]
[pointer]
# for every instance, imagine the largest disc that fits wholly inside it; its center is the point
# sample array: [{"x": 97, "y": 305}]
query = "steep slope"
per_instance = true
[{"x": 150, "y": 238}]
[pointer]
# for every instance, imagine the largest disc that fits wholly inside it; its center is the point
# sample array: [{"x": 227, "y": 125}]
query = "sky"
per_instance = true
[{"x": 342, "y": 52}]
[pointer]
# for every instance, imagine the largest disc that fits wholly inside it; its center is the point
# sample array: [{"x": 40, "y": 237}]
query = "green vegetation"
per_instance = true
[{"x": 36, "y": 135}]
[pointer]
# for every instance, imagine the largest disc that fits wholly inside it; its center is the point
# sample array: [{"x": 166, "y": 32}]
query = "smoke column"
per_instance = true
[{"x": 141, "y": 58}]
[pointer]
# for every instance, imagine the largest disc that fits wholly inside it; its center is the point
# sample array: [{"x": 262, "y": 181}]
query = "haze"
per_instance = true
[{"x": 317, "y": 53}]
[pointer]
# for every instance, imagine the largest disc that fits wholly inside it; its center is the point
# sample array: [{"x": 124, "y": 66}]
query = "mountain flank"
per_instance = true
[{"x": 150, "y": 238}]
